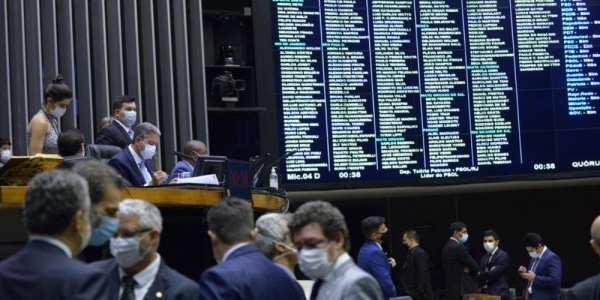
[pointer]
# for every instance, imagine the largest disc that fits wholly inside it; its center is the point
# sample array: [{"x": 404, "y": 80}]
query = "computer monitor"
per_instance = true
[{"x": 206, "y": 165}]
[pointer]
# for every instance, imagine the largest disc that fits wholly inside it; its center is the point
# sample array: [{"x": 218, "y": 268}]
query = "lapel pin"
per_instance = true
[{"x": 159, "y": 295}]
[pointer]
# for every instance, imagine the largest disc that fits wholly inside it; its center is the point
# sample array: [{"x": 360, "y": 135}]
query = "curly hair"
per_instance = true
[{"x": 326, "y": 215}]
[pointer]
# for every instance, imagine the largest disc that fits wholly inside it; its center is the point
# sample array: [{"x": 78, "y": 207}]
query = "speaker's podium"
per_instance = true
[
  {"x": 19, "y": 170},
  {"x": 481, "y": 297}
]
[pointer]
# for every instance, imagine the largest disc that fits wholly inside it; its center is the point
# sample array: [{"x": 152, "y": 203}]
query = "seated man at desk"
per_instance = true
[
  {"x": 193, "y": 149},
  {"x": 71, "y": 146},
  {"x": 135, "y": 163}
]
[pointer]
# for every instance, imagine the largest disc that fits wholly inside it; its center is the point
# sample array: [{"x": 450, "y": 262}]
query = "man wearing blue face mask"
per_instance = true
[
  {"x": 320, "y": 234},
  {"x": 460, "y": 269},
  {"x": 105, "y": 194},
  {"x": 137, "y": 271},
  {"x": 120, "y": 132},
  {"x": 135, "y": 163}
]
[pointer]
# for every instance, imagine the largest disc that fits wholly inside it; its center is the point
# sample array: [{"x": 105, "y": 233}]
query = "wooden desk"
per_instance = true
[{"x": 12, "y": 196}]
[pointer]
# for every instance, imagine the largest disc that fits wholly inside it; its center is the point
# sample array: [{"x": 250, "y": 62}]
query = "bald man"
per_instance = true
[
  {"x": 590, "y": 288},
  {"x": 194, "y": 149}
]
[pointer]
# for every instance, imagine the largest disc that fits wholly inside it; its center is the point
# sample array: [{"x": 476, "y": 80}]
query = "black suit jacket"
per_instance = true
[
  {"x": 416, "y": 280},
  {"x": 70, "y": 161},
  {"x": 585, "y": 290},
  {"x": 496, "y": 279},
  {"x": 114, "y": 134},
  {"x": 169, "y": 284},
  {"x": 248, "y": 274},
  {"x": 125, "y": 165},
  {"x": 455, "y": 259},
  {"x": 42, "y": 271}
]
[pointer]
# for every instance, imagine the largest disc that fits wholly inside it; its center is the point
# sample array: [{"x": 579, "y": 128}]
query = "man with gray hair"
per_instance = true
[
  {"x": 275, "y": 242},
  {"x": 243, "y": 272},
  {"x": 56, "y": 215},
  {"x": 137, "y": 271},
  {"x": 320, "y": 234},
  {"x": 135, "y": 163}
]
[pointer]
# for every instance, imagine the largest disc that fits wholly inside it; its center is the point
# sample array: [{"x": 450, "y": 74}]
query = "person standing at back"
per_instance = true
[
  {"x": 56, "y": 214},
  {"x": 371, "y": 257},
  {"x": 243, "y": 272},
  {"x": 416, "y": 279},
  {"x": 493, "y": 267},
  {"x": 42, "y": 132},
  {"x": 544, "y": 274},
  {"x": 460, "y": 268},
  {"x": 120, "y": 133}
]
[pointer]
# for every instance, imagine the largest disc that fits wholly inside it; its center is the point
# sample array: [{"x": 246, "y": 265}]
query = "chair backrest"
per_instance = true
[{"x": 102, "y": 152}]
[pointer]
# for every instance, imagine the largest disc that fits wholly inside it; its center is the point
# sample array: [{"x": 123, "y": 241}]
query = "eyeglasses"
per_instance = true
[
  {"x": 130, "y": 234},
  {"x": 313, "y": 244}
]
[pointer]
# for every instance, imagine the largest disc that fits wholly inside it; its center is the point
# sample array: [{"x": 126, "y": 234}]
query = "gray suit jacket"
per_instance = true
[{"x": 349, "y": 282}]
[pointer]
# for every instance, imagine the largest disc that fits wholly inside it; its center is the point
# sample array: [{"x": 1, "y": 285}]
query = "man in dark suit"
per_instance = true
[
  {"x": 589, "y": 289},
  {"x": 193, "y": 149},
  {"x": 493, "y": 267},
  {"x": 544, "y": 274},
  {"x": 460, "y": 268},
  {"x": 135, "y": 163},
  {"x": 144, "y": 275},
  {"x": 56, "y": 215},
  {"x": 416, "y": 280},
  {"x": 71, "y": 146},
  {"x": 120, "y": 133},
  {"x": 371, "y": 257},
  {"x": 243, "y": 272}
]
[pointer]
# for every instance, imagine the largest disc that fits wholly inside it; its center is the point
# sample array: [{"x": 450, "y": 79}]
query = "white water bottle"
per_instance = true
[{"x": 273, "y": 179}]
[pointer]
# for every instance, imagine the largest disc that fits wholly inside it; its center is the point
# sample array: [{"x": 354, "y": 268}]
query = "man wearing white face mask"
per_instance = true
[
  {"x": 137, "y": 271},
  {"x": 460, "y": 269},
  {"x": 320, "y": 234},
  {"x": 544, "y": 275},
  {"x": 120, "y": 132},
  {"x": 135, "y": 163},
  {"x": 5, "y": 152},
  {"x": 493, "y": 267},
  {"x": 56, "y": 215},
  {"x": 243, "y": 272}
]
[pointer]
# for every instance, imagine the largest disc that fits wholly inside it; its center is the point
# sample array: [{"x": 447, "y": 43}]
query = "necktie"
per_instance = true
[
  {"x": 130, "y": 132},
  {"x": 315, "y": 289},
  {"x": 128, "y": 285},
  {"x": 489, "y": 259},
  {"x": 533, "y": 266},
  {"x": 145, "y": 173}
]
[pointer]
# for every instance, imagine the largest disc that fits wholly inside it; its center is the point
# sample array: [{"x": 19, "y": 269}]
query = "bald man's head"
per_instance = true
[
  {"x": 595, "y": 241},
  {"x": 195, "y": 148}
]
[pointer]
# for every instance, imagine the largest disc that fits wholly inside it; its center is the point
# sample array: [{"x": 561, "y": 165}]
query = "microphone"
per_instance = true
[{"x": 281, "y": 158}]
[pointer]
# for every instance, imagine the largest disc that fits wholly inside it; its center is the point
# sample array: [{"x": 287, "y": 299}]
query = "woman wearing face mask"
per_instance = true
[
  {"x": 5, "y": 153},
  {"x": 42, "y": 132}
]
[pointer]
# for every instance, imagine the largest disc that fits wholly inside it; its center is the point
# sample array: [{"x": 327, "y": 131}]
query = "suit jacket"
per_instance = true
[
  {"x": 172, "y": 285},
  {"x": 585, "y": 290},
  {"x": 455, "y": 259},
  {"x": 416, "y": 280},
  {"x": 548, "y": 277},
  {"x": 248, "y": 274},
  {"x": 42, "y": 271},
  {"x": 180, "y": 167},
  {"x": 70, "y": 161},
  {"x": 114, "y": 134},
  {"x": 373, "y": 260},
  {"x": 125, "y": 165},
  {"x": 348, "y": 282},
  {"x": 496, "y": 279}
]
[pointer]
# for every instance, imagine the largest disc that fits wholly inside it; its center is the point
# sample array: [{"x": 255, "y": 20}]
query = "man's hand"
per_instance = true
[
  {"x": 158, "y": 177},
  {"x": 392, "y": 262},
  {"x": 522, "y": 269},
  {"x": 530, "y": 276}
]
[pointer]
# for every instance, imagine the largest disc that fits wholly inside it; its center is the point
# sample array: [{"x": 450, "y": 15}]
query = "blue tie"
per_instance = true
[
  {"x": 130, "y": 132},
  {"x": 145, "y": 173}
]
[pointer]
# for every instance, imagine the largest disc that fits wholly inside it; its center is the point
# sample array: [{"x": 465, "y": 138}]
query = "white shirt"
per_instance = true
[
  {"x": 144, "y": 279},
  {"x": 139, "y": 160},
  {"x": 238, "y": 246},
  {"x": 539, "y": 258},
  {"x": 455, "y": 240},
  {"x": 338, "y": 263},
  {"x": 52, "y": 241},
  {"x": 378, "y": 245},
  {"x": 123, "y": 125}
]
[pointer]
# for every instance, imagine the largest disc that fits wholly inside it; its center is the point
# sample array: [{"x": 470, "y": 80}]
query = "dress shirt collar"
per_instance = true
[
  {"x": 452, "y": 238},
  {"x": 123, "y": 125},
  {"x": 378, "y": 245},
  {"x": 232, "y": 249},
  {"x": 147, "y": 275},
  {"x": 53, "y": 241},
  {"x": 136, "y": 157},
  {"x": 338, "y": 263},
  {"x": 543, "y": 251},
  {"x": 494, "y": 252}
]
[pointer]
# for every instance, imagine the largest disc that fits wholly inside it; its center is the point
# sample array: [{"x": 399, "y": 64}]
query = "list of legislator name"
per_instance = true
[{"x": 422, "y": 88}]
